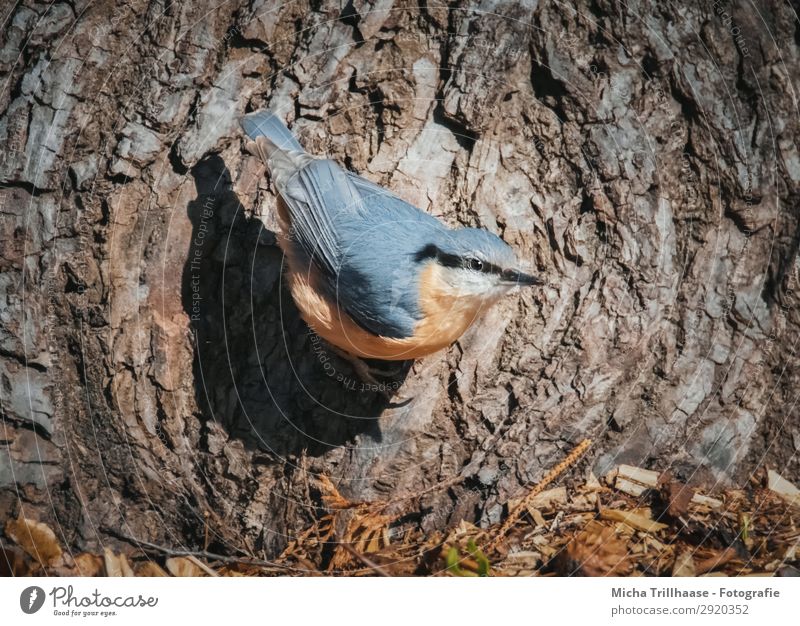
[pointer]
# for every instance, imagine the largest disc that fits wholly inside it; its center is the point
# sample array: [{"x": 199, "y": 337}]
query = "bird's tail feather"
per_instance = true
[
  {"x": 266, "y": 124},
  {"x": 275, "y": 144}
]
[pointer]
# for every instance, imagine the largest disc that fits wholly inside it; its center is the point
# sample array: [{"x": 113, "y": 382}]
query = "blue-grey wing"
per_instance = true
[
  {"x": 318, "y": 195},
  {"x": 365, "y": 240},
  {"x": 380, "y": 270}
]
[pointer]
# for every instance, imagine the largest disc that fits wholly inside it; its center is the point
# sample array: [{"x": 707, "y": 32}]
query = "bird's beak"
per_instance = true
[{"x": 519, "y": 278}]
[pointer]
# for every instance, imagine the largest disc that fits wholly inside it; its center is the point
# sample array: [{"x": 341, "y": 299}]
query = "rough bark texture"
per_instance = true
[{"x": 155, "y": 378}]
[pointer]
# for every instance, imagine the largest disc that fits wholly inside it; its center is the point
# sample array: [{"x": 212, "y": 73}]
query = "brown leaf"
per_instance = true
[
  {"x": 149, "y": 569},
  {"x": 715, "y": 561},
  {"x": 182, "y": 567},
  {"x": 675, "y": 494},
  {"x": 37, "y": 539},
  {"x": 87, "y": 565},
  {"x": 13, "y": 562},
  {"x": 596, "y": 551}
]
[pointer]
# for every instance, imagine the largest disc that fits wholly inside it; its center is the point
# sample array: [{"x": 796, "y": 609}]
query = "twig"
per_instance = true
[
  {"x": 201, "y": 565},
  {"x": 365, "y": 560},
  {"x": 145, "y": 546},
  {"x": 554, "y": 473},
  {"x": 205, "y": 526}
]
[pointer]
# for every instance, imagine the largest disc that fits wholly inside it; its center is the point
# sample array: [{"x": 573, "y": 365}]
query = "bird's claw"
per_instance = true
[{"x": 367, "y": 373}]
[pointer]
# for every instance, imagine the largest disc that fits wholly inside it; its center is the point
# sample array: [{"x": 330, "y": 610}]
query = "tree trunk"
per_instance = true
[{"x": 155, "y": 378}]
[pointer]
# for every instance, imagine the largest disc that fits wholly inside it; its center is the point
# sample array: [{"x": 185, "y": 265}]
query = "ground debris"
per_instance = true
[{"x": 634, "y": 522}]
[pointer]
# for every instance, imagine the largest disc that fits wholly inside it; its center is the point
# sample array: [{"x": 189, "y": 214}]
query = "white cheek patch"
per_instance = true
[{"x": 463, "y": 283}]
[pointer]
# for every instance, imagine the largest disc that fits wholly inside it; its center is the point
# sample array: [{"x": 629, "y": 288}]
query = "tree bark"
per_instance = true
[{"x": 155, "y": 379}]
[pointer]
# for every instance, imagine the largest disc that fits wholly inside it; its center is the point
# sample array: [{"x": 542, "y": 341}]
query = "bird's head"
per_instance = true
[{"x": 475, "y": 264}]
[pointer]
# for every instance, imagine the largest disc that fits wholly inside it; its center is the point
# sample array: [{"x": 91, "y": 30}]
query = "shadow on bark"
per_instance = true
[{"x": 259, "y": 371}]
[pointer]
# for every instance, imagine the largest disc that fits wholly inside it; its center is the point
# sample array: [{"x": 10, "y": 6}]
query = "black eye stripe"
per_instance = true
[
  {"x": 453, "y": 260},
  {"x": 491, "y": 268},
  {"x": 449, "y": 260}
]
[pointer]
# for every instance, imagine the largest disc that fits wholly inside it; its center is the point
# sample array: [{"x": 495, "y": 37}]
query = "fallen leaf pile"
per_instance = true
[{"x": 633, "y": 522}]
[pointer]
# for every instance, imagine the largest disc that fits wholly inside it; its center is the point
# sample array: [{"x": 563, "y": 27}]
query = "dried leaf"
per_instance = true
[
  {"x": 37, "y": 539},
  {"x": 365, "y": 532},
  {"x": 634, "y": 520},
  {"x": 13, "y": 562},
  {"x": 715, "y": 561},
  {"x": 182, "y": 567},
  {"x": 149, "y": 569},
  {"x": 594, "y": 552},
  {"x": 675, "y": 494},
  {"x": 87, "y": 565}
]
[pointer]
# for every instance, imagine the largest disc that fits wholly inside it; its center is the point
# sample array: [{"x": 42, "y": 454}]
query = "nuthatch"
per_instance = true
[{"x": 370, "y": 273}]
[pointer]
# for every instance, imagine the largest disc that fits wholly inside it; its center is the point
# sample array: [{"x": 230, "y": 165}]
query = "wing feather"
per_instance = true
[{"x": 318, "y": 195}]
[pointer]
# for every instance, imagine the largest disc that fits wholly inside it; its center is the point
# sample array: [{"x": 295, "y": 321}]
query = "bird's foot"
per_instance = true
[
  {"x": 368, "y": 374},
  {"x": 385, "y": 373}
]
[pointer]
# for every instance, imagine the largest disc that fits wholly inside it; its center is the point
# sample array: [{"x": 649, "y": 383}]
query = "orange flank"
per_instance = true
[{"x": 446, "y": 317}]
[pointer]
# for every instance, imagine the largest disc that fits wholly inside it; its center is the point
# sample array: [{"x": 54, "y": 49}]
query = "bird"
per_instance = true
[{"x": 373, "y": 275}]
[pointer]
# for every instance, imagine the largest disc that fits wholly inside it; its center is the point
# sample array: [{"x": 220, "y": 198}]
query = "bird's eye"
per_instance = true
[{"x": 475, "y": 264}]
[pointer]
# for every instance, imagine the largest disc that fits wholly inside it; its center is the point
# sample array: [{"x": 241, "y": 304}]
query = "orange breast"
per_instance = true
[
  {"x": 445, "y": 319},
  {"x": 445, "y": 315}
]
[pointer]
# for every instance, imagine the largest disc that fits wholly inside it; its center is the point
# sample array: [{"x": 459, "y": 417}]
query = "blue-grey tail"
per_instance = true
[{"x": 266, "y": 124}]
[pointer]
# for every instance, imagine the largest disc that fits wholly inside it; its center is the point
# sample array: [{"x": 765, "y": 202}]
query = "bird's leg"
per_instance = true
[
  {"x": 386, "y": 373},
  {"x": 365, "y": 372}
]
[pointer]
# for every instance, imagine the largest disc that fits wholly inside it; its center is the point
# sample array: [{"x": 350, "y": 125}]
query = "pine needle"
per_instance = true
[{"x": 554, "y": 473}]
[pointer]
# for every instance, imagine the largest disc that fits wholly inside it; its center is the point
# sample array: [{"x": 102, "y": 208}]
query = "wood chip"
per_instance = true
[
  {"x": 634, "y": 520},
  {"x": 552, "y": 498},
  {"x": 635, "y": 481},
  {"x": 684, "y": 565},
  {"x": 783, "y": 488},
  {"x": 711, "y": 503},
  {"x": 647, "y": 478},
  {"x": 537, "y": 517},
  {"x": 116, "y": 565},
  {"x": 202, "y": 565}
]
